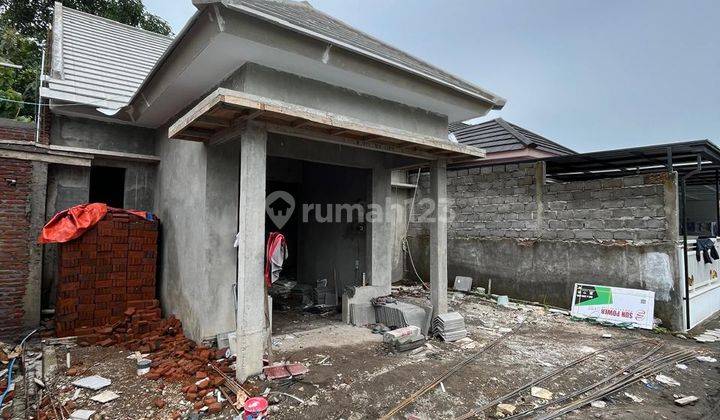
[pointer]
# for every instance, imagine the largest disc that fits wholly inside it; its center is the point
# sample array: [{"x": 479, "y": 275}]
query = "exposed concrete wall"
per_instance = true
[
  {"x": 181, "y": 203},
  {"x": 92, "y": 134},
  {"x": 264, "y": 81},
  {"x": 536, "y": 240},
  {"x": 32, "y": 302},
  {"x": 67, "y": 186},
  {"x": 302, "y": 53}
]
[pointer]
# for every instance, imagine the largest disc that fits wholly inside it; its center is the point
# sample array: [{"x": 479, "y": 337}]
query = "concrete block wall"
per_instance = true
[
  {"x": 535, "y": 239},
  {"x": 505, "y": 201}
]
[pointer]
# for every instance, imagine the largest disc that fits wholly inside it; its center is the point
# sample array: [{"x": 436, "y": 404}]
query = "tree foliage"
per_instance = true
[
  {"x": 18, "y": 84},
  {"x": 24, "y": 25},
  {"x": 32, "y": 18}
]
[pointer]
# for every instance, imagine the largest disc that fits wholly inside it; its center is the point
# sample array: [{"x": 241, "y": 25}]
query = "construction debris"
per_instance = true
[
  {"x": 691, "y": 399},
  {"x": 503, "y": 300},
  {"x": 447, "y": 374},
  {"x": 82, "y": 414},
  {"x": 634, "y": 398},
  {"x": 506, "y": 410},
  {"x": 105, "y": 396},
  {"x": 541, "y": 393},
  {"x": 709, "y": 336},
  {"x": 450, "y": 326},
  {"x": 286, "y": 370},
  {"x": 666, "y": 380},
  {"x": 93, "y": 383},
  {"x": 598, "y": 404},
  {"x": 462, "y": 284}
]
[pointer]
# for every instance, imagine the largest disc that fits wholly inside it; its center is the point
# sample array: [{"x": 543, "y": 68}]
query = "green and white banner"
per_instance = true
[{"x": 615, "y": 305}]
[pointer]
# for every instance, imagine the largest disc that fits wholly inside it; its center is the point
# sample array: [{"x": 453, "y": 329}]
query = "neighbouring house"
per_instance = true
[
  {"x": 535, "y": 226},
  {"x": 504, "y": 141},
  {"x": 251, "y": 98}
]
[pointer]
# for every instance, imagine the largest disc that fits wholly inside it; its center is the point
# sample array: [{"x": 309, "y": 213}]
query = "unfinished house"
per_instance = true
[
  {"x": 252, "y": 99},
  {"x": 626, "y": 218}
]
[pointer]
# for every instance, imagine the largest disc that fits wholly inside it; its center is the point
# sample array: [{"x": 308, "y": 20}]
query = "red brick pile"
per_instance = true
[
  {"x": 174, "y": 357},
  {"x": 107, "y": 270}
]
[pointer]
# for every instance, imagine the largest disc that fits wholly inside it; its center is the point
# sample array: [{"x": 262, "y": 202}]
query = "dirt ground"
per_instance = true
[{"x": 353, "y": 376}]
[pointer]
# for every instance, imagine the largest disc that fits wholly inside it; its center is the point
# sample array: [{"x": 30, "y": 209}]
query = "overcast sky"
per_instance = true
[{"x": 588, "y": 74}]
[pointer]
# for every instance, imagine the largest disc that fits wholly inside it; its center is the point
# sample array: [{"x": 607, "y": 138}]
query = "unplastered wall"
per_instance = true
[
  {"x": 535, "y": 238},
  {"x": 271, "y": 83},
  {"x": 196, "y": 201},
  {"x": 96, "y": 135}
]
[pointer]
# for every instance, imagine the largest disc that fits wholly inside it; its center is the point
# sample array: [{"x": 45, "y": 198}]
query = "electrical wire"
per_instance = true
[
  {"x": 10, "y": 369},
  {"x": 404, "y": 241},
  {"x": 9, "y": 382},
  {"x": 54, "y": 105}
]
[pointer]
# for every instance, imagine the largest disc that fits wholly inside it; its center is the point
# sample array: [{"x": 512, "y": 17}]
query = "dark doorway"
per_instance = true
[
  {"x": 107, "y": 185},
  {"x": 290, "y": 223}
]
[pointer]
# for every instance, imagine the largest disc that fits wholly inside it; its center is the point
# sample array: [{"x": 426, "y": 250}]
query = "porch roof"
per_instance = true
[{"x": 223, "y": 114}]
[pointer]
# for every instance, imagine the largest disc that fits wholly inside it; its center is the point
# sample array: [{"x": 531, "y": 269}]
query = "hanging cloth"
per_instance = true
[{"x": 276, "y": 254}]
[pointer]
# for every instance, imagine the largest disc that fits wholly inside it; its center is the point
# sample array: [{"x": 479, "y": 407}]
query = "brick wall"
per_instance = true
[
  {"x": 15, "y": 193},
  {"x": 25, "y": 131},
  {"x": 505, "y": 201}
]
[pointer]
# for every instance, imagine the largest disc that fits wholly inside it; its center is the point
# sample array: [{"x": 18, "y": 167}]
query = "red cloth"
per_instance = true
[
  {"x": 276, "y": 243},
  {"x": 73, "y": 222}
]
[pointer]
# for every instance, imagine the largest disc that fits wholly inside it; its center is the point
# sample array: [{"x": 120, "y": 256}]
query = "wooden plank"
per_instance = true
[
  {"x": 196, "y": 112},
  {"x": 45, "y": 157},
  {"x": 345, "y": 141},
  {"x": 304, "y": 117},
  {"x": 214, "y": 121}
]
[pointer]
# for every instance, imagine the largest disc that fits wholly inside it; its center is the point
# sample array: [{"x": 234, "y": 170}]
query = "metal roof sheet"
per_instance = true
[
  {"x": 302, "y": 17},
  {"x": 97, "y": 61},
  {"x": 681, "y": 157},
  {"x": 499, "y": 135}
]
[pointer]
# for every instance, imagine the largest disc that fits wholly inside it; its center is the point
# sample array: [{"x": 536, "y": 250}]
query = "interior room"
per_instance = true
[{"x": 327, "y": 239}]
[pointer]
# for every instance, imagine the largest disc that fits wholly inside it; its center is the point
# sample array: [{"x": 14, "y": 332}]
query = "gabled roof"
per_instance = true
[
  {"x": 301, "y": 17},
  {"x": 499, "y": 135},
  {"x": 97, "y": 61}
]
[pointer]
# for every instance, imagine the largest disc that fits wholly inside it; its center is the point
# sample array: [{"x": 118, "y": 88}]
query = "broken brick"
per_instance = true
[{"x": 214, "y": 408}]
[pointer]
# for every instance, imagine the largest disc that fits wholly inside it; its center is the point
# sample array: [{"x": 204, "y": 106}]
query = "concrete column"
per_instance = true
[
  {"x": 381, "y": 238},
  {"x": 438, "y": 237},
  {"x": 252, "y": 328}
]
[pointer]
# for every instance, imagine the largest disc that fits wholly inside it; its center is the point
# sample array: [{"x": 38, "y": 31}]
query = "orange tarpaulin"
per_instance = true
[{"x": 73, "y": 222}]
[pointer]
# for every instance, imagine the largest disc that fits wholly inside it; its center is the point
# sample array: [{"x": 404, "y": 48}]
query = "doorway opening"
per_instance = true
[
  {"x": 107, "y": 185},
  {"x": 326, "y": 236}
]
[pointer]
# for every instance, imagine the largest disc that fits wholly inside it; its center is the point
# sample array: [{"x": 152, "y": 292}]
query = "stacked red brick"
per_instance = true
[{"x": 107, "y": 270}]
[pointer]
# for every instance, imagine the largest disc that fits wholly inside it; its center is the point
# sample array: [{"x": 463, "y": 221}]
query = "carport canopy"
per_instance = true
[
  {"x": 224, "y": 113},
  {"x": 694, "y": 161}
]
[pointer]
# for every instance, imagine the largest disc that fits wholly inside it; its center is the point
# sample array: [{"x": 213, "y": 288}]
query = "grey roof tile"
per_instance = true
[{"x": 499, "y": 135}]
